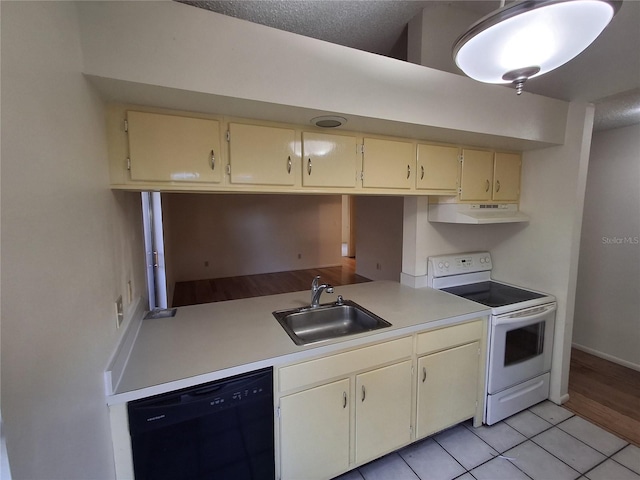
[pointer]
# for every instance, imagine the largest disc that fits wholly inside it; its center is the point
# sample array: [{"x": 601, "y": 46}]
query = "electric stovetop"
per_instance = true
[{"x": 493, "y": 294}]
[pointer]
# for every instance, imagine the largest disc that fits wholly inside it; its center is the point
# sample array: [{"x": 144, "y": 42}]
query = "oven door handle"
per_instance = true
[{"x": 527, "y": 316}]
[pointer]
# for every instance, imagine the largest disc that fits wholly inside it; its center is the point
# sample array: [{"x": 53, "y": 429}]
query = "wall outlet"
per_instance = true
[
  {"x": 119, "y": 312},
  {"x": 378, "y": 266},
  {"x": 299, "y": 256},
  {"x": 206, "y": 263},
  {"x": 129, "y": 292}
]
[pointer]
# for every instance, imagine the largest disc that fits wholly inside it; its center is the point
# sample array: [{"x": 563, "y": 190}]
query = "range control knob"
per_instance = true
[
  {"x": 482, "y": 260},
  {"x": 440, "y": 265},
  {"x": 446, "y": 264}
]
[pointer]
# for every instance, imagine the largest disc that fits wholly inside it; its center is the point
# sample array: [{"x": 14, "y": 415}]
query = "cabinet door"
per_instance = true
[
  {"x": 261, "y": 155},
  {"x": 437, "y": 168},
  {"x": 476, "y": 175},
  {"x": 173, "y": 148},
  {"x": 383, "y": 410},
  {"x": 447, "y": 388},
  {"x": 329, "y": 160},
  {"x": 314, "y": 432},
  {"x": 506, "y": 177},
  {"x": 388, "y": 164}
]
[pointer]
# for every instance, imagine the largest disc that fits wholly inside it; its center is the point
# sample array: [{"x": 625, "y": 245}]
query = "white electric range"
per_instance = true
[{"x": 520, "y": 331}]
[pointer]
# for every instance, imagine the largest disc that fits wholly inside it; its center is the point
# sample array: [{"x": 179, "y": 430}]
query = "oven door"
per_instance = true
[{"x": 520, "y": 346}]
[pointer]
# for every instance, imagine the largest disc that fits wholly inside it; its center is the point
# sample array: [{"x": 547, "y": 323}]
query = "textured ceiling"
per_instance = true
[
  {"x": 609, "y": 70},
  {"x": 373, "y": 26}
]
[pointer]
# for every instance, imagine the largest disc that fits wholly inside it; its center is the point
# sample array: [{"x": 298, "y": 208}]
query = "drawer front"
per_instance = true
[
  {"x": 313, "y": 371},
  {"x": 449, "y": 337}
]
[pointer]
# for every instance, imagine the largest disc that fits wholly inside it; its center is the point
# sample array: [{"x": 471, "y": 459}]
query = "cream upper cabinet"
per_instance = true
[
  {"x": 314, "y": 432},
  {"x": 476, "y": 175},
  {"x": 173, "y": 148},
  {"x": 261, "y": 155},
  {"x": 388, "y": 164},
  {"x": 486, "y": 176},
  {"x": 329, "y": 160},
  {"x": 506, "y": 176},
  {"x": 437, "y": 168},
  {"x": 447, "y": 388},
  {"x": 383, "y": 410}
]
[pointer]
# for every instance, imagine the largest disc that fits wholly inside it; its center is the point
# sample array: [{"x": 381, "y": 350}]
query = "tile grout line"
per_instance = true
[
  {"x": 499, "y": 453},
  {"x": 442, "y": 447},
  {"x": 607, "y": 457}
]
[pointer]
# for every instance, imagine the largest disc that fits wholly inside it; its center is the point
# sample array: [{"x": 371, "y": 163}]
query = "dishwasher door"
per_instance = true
[{"x": 219, "y": 430}]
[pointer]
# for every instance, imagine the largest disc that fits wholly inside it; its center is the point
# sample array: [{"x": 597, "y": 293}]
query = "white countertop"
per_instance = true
[{"x": 206, "y": 342}]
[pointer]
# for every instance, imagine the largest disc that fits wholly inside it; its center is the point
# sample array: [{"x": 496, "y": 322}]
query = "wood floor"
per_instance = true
[
  {"x": 605, "y": 393},
  {"x": 232, "y": 288}
]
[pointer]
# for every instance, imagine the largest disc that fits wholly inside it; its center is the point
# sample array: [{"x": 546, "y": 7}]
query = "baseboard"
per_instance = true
[{"x": 606, "y": 356}]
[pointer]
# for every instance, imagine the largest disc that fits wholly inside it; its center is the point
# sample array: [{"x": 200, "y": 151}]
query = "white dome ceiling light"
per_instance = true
[{"x": 529, "y": 38}]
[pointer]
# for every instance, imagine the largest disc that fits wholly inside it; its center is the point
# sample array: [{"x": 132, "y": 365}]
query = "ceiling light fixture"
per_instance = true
[{"x": 529, "y": 38}]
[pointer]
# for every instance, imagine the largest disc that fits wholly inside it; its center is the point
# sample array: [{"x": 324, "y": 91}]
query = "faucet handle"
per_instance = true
[{"x": 315, "y": 283}]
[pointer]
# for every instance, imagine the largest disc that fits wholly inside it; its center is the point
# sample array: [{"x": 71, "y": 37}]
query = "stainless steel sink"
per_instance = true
[{"x": 308, "y": 325}]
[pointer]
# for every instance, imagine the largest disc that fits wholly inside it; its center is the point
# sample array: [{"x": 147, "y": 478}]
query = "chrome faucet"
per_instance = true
[{"x": 316, "y": 291}]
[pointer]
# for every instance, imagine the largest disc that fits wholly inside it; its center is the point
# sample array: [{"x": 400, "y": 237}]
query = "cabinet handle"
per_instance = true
[
  {"x": 364, "y": 393},
  {"x": 213, "y": 160},
  {"x": 408, "y": 171},
  {"x": 488, "y": 185},
  {"x": 289, "y": 164},
  {"x": 309, "y": 166},
  {"x": 421, "y": 172},
  {"x": 497, "y": 185},
  {"x": 344, "y": 399},
  {"x": 424, "y": 374}
]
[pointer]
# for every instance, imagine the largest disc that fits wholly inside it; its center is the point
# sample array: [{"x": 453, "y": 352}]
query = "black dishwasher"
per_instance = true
[{"x": 219, "y": 430}]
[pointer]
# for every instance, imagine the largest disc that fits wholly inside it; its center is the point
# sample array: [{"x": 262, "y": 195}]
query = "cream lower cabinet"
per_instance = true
[
  {"x": 447, "y": 386},
  {"x": 357, "y": 408},
  {"x": 343, "y": 410},
  {"x": 448, "y": 380},
  {"x": 314, "y": 431},
  {"x": 315, "y": 428},
  {"x": 383, "y": 410}
]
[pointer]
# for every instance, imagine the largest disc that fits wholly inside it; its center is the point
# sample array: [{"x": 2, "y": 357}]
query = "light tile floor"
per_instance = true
[{"x": 545, "y": 442}]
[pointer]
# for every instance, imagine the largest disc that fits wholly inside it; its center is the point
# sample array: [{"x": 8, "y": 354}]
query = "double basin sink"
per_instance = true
[{"x": 308, "y": 325}]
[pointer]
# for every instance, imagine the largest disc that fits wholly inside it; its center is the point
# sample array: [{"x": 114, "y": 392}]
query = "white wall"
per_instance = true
[
  {"x": 251, "y": 234},
  {"x": 379, "y": 237},
  {"x": 69, "y": 246},
  {"x": 607, "y": 317}
]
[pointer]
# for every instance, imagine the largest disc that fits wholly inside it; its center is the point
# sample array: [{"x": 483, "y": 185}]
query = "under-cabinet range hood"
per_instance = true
[{"x": 475, "y": 213}]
